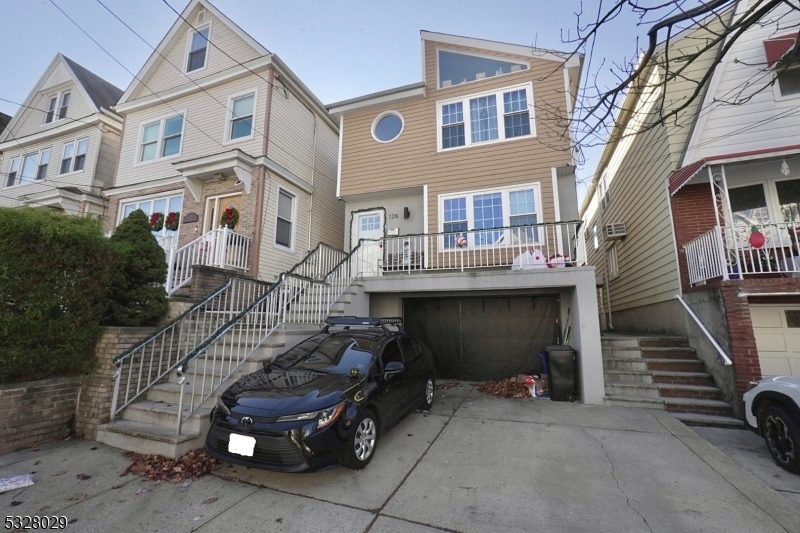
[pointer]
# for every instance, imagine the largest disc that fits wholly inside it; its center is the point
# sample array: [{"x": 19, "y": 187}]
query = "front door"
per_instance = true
[
  {"x": 368, "y": 225},
  {"x": 216, "y": 205}
]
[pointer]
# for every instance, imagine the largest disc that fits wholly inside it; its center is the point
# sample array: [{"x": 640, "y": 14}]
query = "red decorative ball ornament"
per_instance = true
[{"x": 757, "y": 239}]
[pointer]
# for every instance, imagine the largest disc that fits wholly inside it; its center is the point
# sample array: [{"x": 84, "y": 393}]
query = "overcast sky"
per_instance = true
[{"x": 340, "y": 49}]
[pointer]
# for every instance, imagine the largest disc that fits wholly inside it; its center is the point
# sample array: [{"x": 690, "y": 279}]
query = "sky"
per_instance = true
[{"x": 340, "y": 49}]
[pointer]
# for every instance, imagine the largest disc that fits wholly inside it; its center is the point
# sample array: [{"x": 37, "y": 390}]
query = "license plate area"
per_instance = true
[{"x": 241, "y": 445}]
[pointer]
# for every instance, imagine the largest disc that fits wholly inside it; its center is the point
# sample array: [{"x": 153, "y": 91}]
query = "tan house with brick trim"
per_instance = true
[
  {"x": 479, "y": 144},
  {"x": 60, "y": 149},
  {"x": 214, "y": 121}
]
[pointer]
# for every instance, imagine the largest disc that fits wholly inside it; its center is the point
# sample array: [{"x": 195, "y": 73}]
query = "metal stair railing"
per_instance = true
[
  {"x": 151, "y": 361},
  {"x": 221, "y": 355}
]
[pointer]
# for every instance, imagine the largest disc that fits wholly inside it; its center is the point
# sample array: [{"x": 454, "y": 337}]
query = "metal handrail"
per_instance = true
[
  {"x": 707, "y": 333},
  {"x": 238, "y": 338},
  {"x": 163, "y": 350}
]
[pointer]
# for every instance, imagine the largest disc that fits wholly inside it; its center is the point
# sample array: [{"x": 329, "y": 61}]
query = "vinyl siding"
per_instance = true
[
  {"x": 165, "y": 76},
  {"x": 204, "y": 130},
  {"x": 291, "y": 137},
  {"x": 32, "y": 120},
  {"x": 762, "y": 122},
  {"x": 328, "y": 213},
  {"x": 11, "y": 196},
  {"x": 107, "y": 159},
  {"x": 412, "y": 159},
  {"x": 273, "y": 261}
]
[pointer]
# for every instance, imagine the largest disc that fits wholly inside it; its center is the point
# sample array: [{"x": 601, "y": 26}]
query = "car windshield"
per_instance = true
[{"x": 337, "y": 355}]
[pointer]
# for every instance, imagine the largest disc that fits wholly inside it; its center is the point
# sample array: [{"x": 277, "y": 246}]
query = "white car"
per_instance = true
[{"x": 772, "y": 409}]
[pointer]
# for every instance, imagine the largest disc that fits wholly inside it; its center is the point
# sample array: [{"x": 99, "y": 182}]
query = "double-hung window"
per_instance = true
[
  {"x": 161, "y": 138},
  {"x": 198, "y": 49},
  {"x": 28, "y": 168},
  {"x": 57, "y": 107},
  {"x": 73, "y": 156},
  {"x": 501, "y": 217},
  {"x": 62, "y": 109},
  {"x": 488, "y": 117},
  {"x": 241, "y": 117},
  {"x": 284, "y": 224},
  {"x": 51, "y": 110}
]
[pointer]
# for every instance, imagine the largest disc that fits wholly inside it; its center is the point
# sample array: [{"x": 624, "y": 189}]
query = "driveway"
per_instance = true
[{"x": 477, "y": 463}]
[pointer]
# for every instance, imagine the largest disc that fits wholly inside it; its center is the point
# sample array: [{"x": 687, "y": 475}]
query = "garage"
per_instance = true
[
  {"x": 777, "y": 333},
  {"x": 480, "y": 338}
]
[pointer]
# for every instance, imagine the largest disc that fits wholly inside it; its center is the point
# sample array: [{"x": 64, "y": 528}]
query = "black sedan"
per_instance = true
[{"x": 326, "y": 401}]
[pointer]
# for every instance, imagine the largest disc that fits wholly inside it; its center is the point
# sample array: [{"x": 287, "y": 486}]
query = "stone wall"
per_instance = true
[{"x": 36, "y": 412}]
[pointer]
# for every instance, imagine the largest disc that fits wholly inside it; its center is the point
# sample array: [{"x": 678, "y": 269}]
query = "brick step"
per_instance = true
[
  {"x": 668, "y": 353},
  {"x": 663, "y": 341},
  {"x": 702, "y": 392},
  {"x": 694, "y": 405},
  {"x": 676, "y": 365},
  {"x": 696, "y": 419},
  {"x": 682, "y": 378}
]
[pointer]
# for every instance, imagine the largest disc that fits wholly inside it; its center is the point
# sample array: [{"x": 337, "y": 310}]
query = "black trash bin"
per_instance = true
[{"x": 561, "y": 372}]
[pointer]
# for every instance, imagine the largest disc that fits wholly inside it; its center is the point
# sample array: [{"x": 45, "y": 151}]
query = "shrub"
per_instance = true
[
  {"x": 55, "y": 276},
  {"x": 137, "y": 294}
]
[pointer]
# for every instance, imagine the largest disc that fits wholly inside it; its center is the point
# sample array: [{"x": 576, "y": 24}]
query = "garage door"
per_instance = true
[
  {"x": 483, "y": 338},
  {"x": 777, "y": 331}
]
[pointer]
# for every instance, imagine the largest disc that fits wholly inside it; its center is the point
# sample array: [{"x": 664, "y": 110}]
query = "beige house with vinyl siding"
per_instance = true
[
  {"x": 215, "y": 121},
  {"x": 60, "y": 148}
]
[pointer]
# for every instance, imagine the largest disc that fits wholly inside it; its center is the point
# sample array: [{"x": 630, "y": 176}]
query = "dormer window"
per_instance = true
[
  {"x": 51, "y": 110},
  {"x": 57, "y": 107},
  {"x": 455, "y": 68},
  {"x": 62, "y": 110},
  {"x": 198, "y": 48}
]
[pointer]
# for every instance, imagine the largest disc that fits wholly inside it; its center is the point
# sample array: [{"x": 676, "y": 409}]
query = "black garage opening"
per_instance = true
[{"x": 482, "y": 338}]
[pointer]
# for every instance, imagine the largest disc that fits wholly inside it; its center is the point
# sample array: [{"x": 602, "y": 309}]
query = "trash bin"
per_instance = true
[{"x": 561, "y": 372}]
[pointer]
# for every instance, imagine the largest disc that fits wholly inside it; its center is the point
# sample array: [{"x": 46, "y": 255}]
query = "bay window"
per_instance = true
[
  {"x": 476, "y": 119},
  {"x": 509, "y": 213}
]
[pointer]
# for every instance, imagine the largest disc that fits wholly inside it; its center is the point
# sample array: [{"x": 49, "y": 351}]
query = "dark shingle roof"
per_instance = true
[{"x": 102, "y": 93}]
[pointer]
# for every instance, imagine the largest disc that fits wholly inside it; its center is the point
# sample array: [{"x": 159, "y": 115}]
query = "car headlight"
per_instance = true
[
  {"x": 222, "y": 407},
  {"x": 324, "y": 418}
]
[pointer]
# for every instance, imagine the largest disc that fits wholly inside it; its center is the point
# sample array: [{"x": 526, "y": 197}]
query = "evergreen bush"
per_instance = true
[
  {"x": 137, "y": 295},
  {"x": 55, "y": 275}
]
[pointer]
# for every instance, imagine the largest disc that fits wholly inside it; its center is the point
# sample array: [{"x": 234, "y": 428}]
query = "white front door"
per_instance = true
[
  {"x": 368, "y": 225},
  {"x": 777, "y": 332}
]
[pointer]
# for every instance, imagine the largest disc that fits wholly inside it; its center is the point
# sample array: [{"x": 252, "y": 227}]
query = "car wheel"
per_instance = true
[
  {"x": 782, "y": 436},
  {"x": 363, "y": 441},
  {"x": 430, "y": 387}
]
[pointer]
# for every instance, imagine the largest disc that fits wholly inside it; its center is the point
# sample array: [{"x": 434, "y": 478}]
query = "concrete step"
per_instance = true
[
  {"x": 169, "y": 392},
  {"x": 682, "y": 378},
  {"x": 628, "y": 376},
  {"x": 149, "y": 439},
  {"x": 634, "y": 401},
  {"x": 701, "y": 392},
  {"x": 298, "y": 315},
  {"x": 165, "y": 414},
  {"x": 639, "y": 390},
  {"x": 618, "y": 342},
  {"x": 338, "y": 305},
  {"x": 624, "y": 363},
  {"x": 696, "y": 419},
  {"x": 699, "y": 406}
]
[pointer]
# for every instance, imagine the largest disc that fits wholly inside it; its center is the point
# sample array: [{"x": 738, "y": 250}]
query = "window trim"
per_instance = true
[
  {"x": 21, "y": 158},
  {"x": 161, "y": 121},
  {"x": 61, "y": 158},
  {"x": 226, "y": 137},
  {"x": 168, "y": 195},
  {"x": 386, "y": 114},
  {"x": 296, "y": 198},
  {"x": 59, "y": 98},
  {"x": 190, "y": 35},
  {"x": 501, "y": 132},
  {"x": 776, "y": 89},
  {"x": 504, "y": 191},
  {"x": 483, "y": 56}
]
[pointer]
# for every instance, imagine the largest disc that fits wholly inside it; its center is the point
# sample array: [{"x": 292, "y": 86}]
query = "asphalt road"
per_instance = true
[{"x": 477, "y": 463}]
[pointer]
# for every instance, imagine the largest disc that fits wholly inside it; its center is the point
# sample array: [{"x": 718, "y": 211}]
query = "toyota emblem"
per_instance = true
[{"x": 247, "y": 421}]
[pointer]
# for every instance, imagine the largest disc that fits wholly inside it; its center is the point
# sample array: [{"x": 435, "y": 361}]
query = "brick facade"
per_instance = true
[
  {"x": 693, "y": 215},
  {"x": 36, "y": 412}
]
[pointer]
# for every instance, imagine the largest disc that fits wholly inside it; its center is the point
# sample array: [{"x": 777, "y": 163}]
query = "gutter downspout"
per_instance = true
[{"x": 262, "y": 183}]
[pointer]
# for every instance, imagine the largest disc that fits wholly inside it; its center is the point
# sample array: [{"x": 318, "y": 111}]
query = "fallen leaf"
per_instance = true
[
  {"x": 93, "y": 448},
  {"x": 36, "y": 463},
  {"x": 59, "y": 473},
  {"x": 505, "y": 389},
  {"x": 78, "y": 496},
  {"x": 72, "y": 520},
  {"x": 192, "y": 465},
  {"x": 15, "y": 503},
  {"x": 279, "y": 520},
  {"x": 83, "y": 477},
  {"x": 410, "y": 435},
  {"x": 208, "y": 501}
]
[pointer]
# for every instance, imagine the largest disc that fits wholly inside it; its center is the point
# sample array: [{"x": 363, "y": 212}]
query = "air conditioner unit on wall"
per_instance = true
[{"x": 615, "y": 230}]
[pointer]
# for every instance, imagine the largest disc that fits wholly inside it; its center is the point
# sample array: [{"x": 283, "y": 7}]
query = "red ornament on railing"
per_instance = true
[{"x": 757, "y": 239}]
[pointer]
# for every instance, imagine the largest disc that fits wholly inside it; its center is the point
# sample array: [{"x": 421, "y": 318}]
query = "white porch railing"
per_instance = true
[
  {"x": 726, "y": 252},
  {"x": 221, "y": 247},
  {"x": 519, "y": 247}
]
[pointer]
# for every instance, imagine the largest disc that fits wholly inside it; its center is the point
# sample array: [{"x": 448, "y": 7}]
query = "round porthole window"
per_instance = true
[{"x": 387, "y": 126}]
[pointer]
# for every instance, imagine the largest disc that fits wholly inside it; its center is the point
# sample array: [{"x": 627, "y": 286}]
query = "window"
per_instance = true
[
  {"x": 241, "y": 119},
  {"x": 596, "y": 237},
  {"x": 475, "y": 119},
  {"x": 789, "y": 199},
  {"x": 370, "y": 222},
  {"x": 748, "y": 205},
  {"x": 515, "y": 208},
  {"x": 455, "y": 68},
  {"x": 60, "y": 102},
  {"x": 285, "y": 219},
  {"x": 198, "y": 46},
  {"x": 387, "y": 126},
  {"x": 72, "y": 158},
  {"x": 789, "y": 78},
  {"x": 158, "y": 204},
  {"x": 391, "y": 353},
  {"x": 161, "y": 139},
  {"x": 613, "y": 263},
  {"x": 34, "y": 167},
  {"x": 409, "y": 347},
  {"x": 602, "y": 189}
]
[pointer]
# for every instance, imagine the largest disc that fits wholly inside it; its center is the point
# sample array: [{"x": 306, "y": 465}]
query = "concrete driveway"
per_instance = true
[{"x": 477, "y": 463}]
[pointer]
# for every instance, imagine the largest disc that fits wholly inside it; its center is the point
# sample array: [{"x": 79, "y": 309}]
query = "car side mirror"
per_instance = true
[{"x": 393, "y": 368}]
